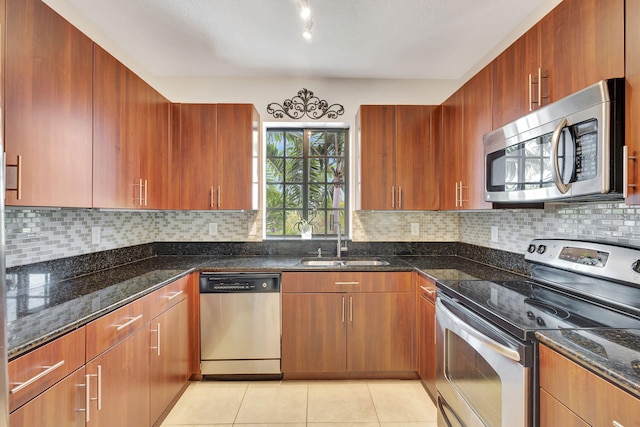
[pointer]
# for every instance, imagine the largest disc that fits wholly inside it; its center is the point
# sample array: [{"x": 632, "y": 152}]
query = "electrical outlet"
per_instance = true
[
  {"x": 415, "y": 229},
  {"x": 95, "y": 235},
  {"x": 213, "y": 229},
  {"x": 494, "y": 233}
]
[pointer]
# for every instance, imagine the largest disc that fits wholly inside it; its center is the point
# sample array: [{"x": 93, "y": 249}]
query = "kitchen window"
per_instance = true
[{"x": 306, "y": 181}]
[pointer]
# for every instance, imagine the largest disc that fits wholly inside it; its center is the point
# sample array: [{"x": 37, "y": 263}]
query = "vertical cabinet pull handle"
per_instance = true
[
  {"x": 625, "y": 171},
  {"x": 342, "y": 309},
  {"x": 18, "y": 166},
  {"x": 540, "y": 77},
  {"x": 157, "y": 331},
  {"x": 99, "y": 387},
  {"x": 219, "y": 197},
  {"x": 211, "y": 196},
  {"x": 399, "y": 197},
  {"x": 530, "y": 92},
  {"x": 88, "y": 397},
  {"x": 393, "y": 197},
  {"x": 456, "y": 194},
  {"x": 351, "y": 309},
  {"x": 146, "y": 188}
]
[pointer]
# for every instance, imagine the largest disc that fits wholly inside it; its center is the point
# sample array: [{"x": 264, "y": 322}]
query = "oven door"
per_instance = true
[{"x": 482, "y": 373}]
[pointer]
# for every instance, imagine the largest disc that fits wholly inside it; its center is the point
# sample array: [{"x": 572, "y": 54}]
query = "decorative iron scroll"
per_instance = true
[{"x": 305, "y": 103}]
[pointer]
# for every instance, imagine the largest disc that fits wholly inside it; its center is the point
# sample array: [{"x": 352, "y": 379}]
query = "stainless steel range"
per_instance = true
[{"x": 486, "y": 344}]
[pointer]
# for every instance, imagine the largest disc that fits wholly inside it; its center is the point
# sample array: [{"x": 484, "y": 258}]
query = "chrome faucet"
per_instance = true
[{"x": 340, "y": 248}]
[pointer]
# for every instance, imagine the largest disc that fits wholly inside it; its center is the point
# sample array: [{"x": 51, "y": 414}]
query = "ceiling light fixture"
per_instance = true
[{"x": 305, "y": 14}]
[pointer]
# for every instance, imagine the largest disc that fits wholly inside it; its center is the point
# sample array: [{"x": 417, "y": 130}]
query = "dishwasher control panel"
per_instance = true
[{"x": 239, "y": 282}]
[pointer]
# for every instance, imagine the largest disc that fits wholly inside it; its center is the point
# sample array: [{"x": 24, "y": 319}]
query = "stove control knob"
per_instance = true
[
  {"x": 530, "y": 315},
  {"x": 531, "y": 249},
  {"x": 542, "y": 249},
  {"x": 540, "y": 321},
  {"x": 636, "y": 266}
]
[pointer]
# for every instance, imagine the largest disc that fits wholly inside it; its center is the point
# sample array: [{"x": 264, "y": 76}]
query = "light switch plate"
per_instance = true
[
  {"x": 95, "y": 235},
  {"x": 415, "y": 229},
  {"x": 213, "y": 229}
]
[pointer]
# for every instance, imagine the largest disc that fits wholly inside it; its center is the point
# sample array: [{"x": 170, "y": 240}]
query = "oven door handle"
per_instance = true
[{"x": 470, "y": 332}]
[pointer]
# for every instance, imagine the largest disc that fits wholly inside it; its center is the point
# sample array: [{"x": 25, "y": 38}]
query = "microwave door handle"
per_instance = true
[
  {"x": 555, "y": 170},
  {"x": 470, "y": 332}
]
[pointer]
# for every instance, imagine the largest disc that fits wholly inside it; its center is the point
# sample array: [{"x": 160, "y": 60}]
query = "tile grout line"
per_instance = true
[{"x": 373, "y": 402}]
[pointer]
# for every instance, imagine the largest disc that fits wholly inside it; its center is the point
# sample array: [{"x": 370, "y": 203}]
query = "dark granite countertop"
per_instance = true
[{"x": 613, "y": 354}]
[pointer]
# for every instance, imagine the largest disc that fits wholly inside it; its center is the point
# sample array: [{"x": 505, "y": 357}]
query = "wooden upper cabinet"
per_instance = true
[
  {"x": 397, "y": 158},
  {"x": 632, "y": 95},
  {"x": 377, "y": 135},
  {"x": 516, "y": 73},
  {"x": 48, "y": 100},
  {"x": 451, "y": 149},
  {"x": 219, "y": 155},
  {"x": 131, "y": 139},
  {"x": 476, "y": 122},
  {"x": 582, "y": 42},
  {"x": 237, "y": 157}
]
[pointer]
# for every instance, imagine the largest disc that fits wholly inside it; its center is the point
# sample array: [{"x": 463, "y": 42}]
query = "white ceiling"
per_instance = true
[{"x": 397, "y": 39}]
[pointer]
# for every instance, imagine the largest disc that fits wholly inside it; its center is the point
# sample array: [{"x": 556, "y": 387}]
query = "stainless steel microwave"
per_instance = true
[{"x": 569, "y": 150}]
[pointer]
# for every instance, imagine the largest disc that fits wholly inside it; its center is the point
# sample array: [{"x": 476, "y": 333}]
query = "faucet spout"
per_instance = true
[{"x": 340, "y": 248}]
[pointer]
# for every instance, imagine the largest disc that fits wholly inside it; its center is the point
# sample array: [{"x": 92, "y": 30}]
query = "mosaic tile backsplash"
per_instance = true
[{"x": 34, "y": 235}]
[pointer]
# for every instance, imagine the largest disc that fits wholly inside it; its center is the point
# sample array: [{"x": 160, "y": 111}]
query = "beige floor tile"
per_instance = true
[
  {"x": 207, "y": 404},
  {"x": 402, "y": 401},
  {"x": 273, "y": 402},
  {"x": 340, "y": 402},
  {"x": 343, "y": 425},
  {"x": 271, "y": 425},
  {"x": 196, "y": 425},
  {"x": 411, "y": 424}
]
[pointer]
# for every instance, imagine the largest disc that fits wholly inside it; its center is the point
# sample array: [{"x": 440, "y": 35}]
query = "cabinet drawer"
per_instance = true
[
  {"x": 346, "y": 281},
  {"x": 168, "y": 296},
  {"x": 113, "y": 327},
  {"x": 589, "y": 396},
  {"x": 31, "y": 374}
]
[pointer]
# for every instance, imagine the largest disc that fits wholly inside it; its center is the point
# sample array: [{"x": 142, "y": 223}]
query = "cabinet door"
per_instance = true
[
  {"x": 416, "y": 184},
  {"x": 237, "y": 132},
  {"x": 122, "y": 374},
  {"x": 582, "y": 42},
  {"x": 554, "y": 413},
  {"x": 426, "y": 334},
  {"x": 48, "y": 107},
  {"x": 476, "y": 123},
  {"x": 380, "y": 332},
  {"x": 313, "y": 332},
  {"x": 632, "y": 137},
  {"x": 451, "y": 151},
  {"x": 116, "y": 157},
  {"x": 515, "y": 79},
  {"x": 60, "y": 406},
  {"x": 168, "y": 357},
  {"x": 377, "y": 130},
  {"x": 197, "y": 135}
]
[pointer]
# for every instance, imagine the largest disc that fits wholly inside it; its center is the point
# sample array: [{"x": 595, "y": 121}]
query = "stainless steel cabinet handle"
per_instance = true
[
  {"x": 462, "y": 200},
  {"x": 530, "y": 92},
  {"x": 99, "y": 387},
  {"x": 219, "y": 197},
  {"x": 614, "y": 423},
  {"x": 157, "y": 331},
  {"x": 399, "y": 197},
  {"x": 18, "y": 166},
  {"x": 540, "y": 77},
  {"x": 87, "y": 396},
  {"x": 211, "y": 196},
  {"x": 47, "y": 371},
  {"x": 173, "y": 295},
  {"x": 129, "y": 322},
  {"x": 393, "y": 197},
  {"x": 346, "y": 283},
  {"x": 351, "y": 309},
  {"x": 555, "y": 170},
  {"x": 146, "y": 188},
  {"x": 427, "y": 290},
  {"x": 456, "y": 193},
  {"x": 625, "y": 171},
  {"x": 140, "y": 191},
  {"x": 343, "y": 309}
]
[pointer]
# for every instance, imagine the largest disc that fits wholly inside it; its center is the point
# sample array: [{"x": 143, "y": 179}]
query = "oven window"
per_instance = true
[{"x": 477, "y": 382}]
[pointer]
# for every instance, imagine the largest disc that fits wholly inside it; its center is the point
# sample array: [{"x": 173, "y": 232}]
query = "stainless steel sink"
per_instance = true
[{"x": 342, "y": 262}]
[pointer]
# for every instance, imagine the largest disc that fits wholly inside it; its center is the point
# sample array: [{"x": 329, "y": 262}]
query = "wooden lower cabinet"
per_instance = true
[
  {"x": 122, "y": 382},
  {"x": 169, "y": 358},
  {"x": 347, "y": 333},
  {"x": 426, "y": 333},
  {"x": 577, "y": 390},
  {"x": 60, "y": 406}
]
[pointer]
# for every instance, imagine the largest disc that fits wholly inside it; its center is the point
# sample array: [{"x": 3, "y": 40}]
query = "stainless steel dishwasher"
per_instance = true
[{"x": 240, "y": 324}]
